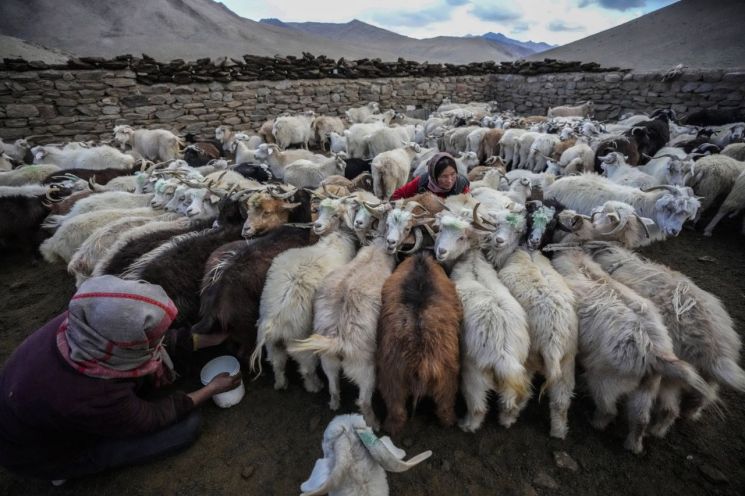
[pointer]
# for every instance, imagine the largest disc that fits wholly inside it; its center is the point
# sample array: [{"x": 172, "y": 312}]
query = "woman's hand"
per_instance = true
[
  {"x": 220, "y": 384},
  {"x": 224, "y": 382}
]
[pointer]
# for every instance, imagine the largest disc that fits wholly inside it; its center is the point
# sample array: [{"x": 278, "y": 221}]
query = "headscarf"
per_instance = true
[
  {"x": 432, "y": 170},
  {"x": 114, "y": 329}
]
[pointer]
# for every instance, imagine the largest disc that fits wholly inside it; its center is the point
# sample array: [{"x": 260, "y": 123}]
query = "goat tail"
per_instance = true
[
  {"x": 551, "y": 370},
  {"x": 674, "y": 368},
  {"x": 255, "y": 360},
  {"x": 513, "y": 376},
  {"x": 316, "y": 343},
  {"x": 727, "y": 371}
]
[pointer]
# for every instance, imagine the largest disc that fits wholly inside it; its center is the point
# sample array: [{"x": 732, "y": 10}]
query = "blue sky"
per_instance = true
[{"x": 552, "y": 21}]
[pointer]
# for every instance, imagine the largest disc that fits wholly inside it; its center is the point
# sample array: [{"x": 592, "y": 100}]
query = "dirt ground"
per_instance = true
[{"x": 269, "y": 442}]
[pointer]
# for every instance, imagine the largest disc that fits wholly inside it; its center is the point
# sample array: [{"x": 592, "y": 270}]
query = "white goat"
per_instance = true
[
  {"x": 624, "y": 346},
  {"x": 495, "y": 339},
  {"x": 587, "y": 109},
  {"x": 389, "y": 138},
  {"x": 668, "y": 206},
  {"x": 153, "y": 144},
  {"x": 286, "y": 309},
  {"x": 357, "y": 139},
  {"x": 355, "y": 461},
  {"x": 617, "y": 170},
  {"x": 345, "y": 320},
  {"x": 360, "y": 114},
  {"x": 70, "y": 235},
  {"x": 308, "y": 174},
  {"x": 17, "y": 150},
  {"x": 96, "y": 158},
  {"x": 337, "y": 143},
  {"x": 27, "y": 174},
  {"x": 293, "y": 130},
  {"x": 390, "y": 170},
  {"x": 277, "y": 159},
  {"x": 702, "y": 331}
]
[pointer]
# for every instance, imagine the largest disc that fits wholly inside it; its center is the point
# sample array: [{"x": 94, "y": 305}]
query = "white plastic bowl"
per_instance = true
[{"x": 232, "y": 366}]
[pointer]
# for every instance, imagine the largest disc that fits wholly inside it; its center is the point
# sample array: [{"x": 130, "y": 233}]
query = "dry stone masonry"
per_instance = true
[{"x": 86, "y": 98}]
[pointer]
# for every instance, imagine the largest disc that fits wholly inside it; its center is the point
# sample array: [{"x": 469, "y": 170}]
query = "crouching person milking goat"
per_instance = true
[
  {"x": 442, "y": 179},
  {"x": 70, "y": 394}
]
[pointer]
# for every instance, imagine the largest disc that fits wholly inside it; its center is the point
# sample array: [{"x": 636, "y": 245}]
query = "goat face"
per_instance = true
[
  {"x": 398, "y": 226},
  {"x": 176, "y": 202},
  {"x": 203, "y": 204},
  {"x": 736, "y": 132},
  {"x": 453, "y": 239},
  {"x": 509, "y": 226},
  {"x": 331, "y": 213},
  {"x": 540, "y": 220},
  {"x": 163, "y": 193},
  {"x": 674, "y": 208},
  {"x": 264, "y": 212},
  {"x": 122, "y": 134},
  {"x": 678, "y": 171}
]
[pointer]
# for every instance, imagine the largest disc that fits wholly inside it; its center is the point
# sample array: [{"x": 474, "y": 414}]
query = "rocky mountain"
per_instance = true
[
  {"x": 697, "y": 33},
  {"x": 191, "y": 29}
]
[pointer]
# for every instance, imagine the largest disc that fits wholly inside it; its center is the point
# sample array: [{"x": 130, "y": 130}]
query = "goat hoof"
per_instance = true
[
  {"x": 559, "y": 432},
  {"x": 278, "y": 385},
  {"x": 636, "y": 447},
  {"x": 467, "y": 425}
]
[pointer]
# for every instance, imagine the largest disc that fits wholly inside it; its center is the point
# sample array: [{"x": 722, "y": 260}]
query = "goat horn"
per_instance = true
[
  {"x": 644, "y": 226},
  {"x": 281, "y": 196},
  {"x": 418, "y": 238},
  {"x": 621, "y": 224},
  {"x": 671, "y": 189},
  {"x": 478, "y": 224},
  {"x": 327, "y": 193}
]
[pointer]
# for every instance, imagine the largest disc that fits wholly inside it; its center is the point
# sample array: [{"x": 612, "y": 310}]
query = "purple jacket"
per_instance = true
[{"x": 50, "y": 412}]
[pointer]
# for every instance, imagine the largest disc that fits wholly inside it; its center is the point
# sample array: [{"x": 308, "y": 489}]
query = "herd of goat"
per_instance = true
[{"x": 302, "y": 255}]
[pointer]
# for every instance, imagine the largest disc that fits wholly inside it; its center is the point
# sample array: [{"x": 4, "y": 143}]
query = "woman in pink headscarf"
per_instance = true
[
  {"x": 442, "y": 179},
  {"x": 70, "y": 401}
]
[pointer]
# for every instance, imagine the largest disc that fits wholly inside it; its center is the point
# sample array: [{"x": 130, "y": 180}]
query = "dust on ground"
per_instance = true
[{"x": 269, "y": 442}]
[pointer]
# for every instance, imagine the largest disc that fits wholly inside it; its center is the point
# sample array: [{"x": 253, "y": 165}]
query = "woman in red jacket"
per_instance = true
[
  {"x": 442, "y": 179},
  {"x": 71, "y": 394}
]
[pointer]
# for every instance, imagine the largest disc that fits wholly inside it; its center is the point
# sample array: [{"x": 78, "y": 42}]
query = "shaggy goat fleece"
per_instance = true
[{"x": 418, "y": 339}]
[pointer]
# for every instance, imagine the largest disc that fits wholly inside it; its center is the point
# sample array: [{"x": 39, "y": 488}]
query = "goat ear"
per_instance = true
[{"x": 319, "y": 481}]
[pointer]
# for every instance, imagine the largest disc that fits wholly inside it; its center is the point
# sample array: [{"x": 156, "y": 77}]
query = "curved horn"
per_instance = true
[
  {"x": 621, "y": 224},
  {"x": 418, "y": 238},
  {"x": 644, "y": 225},
  {"x": 671, "y": 189},
  {"x": 280, "y": 196},
  {"x": 329, "y": 194},
  {"x": 386, "y": 453}
]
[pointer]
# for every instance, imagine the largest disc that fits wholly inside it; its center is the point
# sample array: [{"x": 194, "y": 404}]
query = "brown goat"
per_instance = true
[
  {"x": 489, "y": 146},
  {"x": 232, "y": 285},
  {"x": 64, "y": 206},
  {"x": 561, "y": 147},
  {"x": 265, "y": 131},
  {"x": 418, "y": 350},
  {"x": 477, "y": 173}
]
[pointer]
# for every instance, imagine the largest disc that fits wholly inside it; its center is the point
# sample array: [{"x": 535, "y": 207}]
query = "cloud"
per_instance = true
[
  {"x": 520, "y": 27},
  {"x": 562, "y": 26},
  {"x": 622, "y": 5},
  {"x": 456, "y": 3},
  {"x": 494, "y": 13},
  {"x": 414, "y": 18}
]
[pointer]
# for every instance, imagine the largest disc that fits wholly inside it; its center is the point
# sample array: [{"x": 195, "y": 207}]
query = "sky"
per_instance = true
[{"x": 552, "y": 21}]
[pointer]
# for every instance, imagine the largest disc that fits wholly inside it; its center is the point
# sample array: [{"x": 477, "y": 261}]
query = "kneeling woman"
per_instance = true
[
  {"x": 442, "y": 179},
  {"x": 70, "y": 395}
]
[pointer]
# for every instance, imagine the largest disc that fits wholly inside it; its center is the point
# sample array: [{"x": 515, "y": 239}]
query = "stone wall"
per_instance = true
[
  {"x": 81, "y": 104},
  {"x": 615, "y": 93},
  {"x": 65, "y": 105}
]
